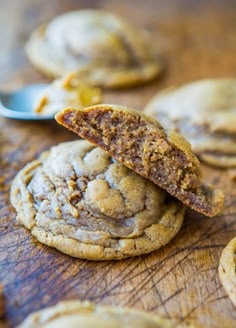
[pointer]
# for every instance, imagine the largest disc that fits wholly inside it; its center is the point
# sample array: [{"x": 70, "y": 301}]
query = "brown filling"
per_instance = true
[
  {"x": 132, "y": 141},
  {"x": 143, "y": 146}
]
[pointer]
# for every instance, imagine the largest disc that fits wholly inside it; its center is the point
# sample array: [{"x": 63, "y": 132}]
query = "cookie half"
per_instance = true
[
  {"x": 227, "y": 269},
  {"x": 76, "y": 198},
  {"x": 141, "y": 143},
  {"x": 102, "y": 48},
  {"x": 87, "y": 315},
  {"x": 205, "y": 113}
]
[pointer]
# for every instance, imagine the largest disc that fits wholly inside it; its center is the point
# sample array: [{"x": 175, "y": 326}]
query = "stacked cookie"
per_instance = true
[
  {"x": 109, "y": 198},
  {"x": 114, "y": 200}
]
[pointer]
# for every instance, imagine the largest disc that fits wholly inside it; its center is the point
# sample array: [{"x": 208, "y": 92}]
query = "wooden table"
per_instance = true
[{"x": 179, "y": 281}]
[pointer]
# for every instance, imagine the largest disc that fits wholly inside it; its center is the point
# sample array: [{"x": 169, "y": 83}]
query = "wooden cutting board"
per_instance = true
[{"x": 179, "y": 281}]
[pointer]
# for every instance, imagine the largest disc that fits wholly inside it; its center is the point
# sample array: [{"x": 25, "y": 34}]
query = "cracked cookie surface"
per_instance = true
[
  {"x": 205, "y": 113},
  {"x": 227, "y": 269},
  {"x": 88, "y": 315},
  {"x": 101, "y": 47},
  {"x": 78, "y": 199},
  {"x": 141, "y": 143}
]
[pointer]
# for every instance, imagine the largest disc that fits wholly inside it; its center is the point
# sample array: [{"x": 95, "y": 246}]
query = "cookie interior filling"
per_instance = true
[{"x": 144, "y": 146}]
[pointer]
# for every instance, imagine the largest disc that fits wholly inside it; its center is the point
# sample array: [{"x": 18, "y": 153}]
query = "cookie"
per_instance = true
[
  {"x": 102, "y": 48},
  {"x": 205, "y": 113},
  {"x": 88, "y": 315},
  {"x": 67, "y": 91},
  {"x": 232, "y": 174},
  {"x": 76, "y": 198},
  {"x": 2, "y": 307},
  {"x": 142, "y": 144},
  {"x": 227, "y": 269}
]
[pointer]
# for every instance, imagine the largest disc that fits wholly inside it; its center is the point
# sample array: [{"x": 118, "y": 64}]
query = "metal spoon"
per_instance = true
[{"x": 19, "y": 104}]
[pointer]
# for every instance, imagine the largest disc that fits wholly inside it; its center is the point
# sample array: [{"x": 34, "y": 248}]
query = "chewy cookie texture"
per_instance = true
[
  {"x": 205, "y": 113},
  {"x": 87, "y": 315},
  {"x": 101, "y": 47},
  {"x": 142, "y": 144},
  {"x": 227, "y": 269},
  {"x": 78, "y": 199}
]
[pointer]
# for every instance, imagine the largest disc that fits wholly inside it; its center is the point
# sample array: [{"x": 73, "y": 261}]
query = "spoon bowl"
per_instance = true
[{"x": 19, "y": 104}]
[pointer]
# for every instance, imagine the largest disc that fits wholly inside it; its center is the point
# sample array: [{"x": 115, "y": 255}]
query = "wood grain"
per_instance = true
[{"x": 180, "y": 281}]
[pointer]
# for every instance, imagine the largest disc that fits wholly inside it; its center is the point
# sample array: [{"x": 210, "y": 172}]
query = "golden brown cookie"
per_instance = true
[
  {"x": 76, "y": 198},
  {"x": 67, "y": 91},
  {"x": 102, "y": 48},
  {"x": 232, "y": 174},
  {"x": 141, "y": 143},
  {"x": 205, "y": 113},
  {"x": 227, "y": 269},
  {"x": 73, "y": 314},
  {"x": 2, "y": 308}
]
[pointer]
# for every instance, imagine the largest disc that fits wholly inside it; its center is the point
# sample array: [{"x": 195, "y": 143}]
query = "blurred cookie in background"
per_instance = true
[
  {"x": 64, "y": 92},
  {"x": 89, "y": 315},
  {"x": 205, "y": 113},
  {"x": 227, "y": 269},
  {"x": 102, "y": 48}
]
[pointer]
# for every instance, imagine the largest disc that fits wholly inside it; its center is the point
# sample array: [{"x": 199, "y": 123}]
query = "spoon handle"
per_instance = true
[{"x": 4, "y": 96}]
